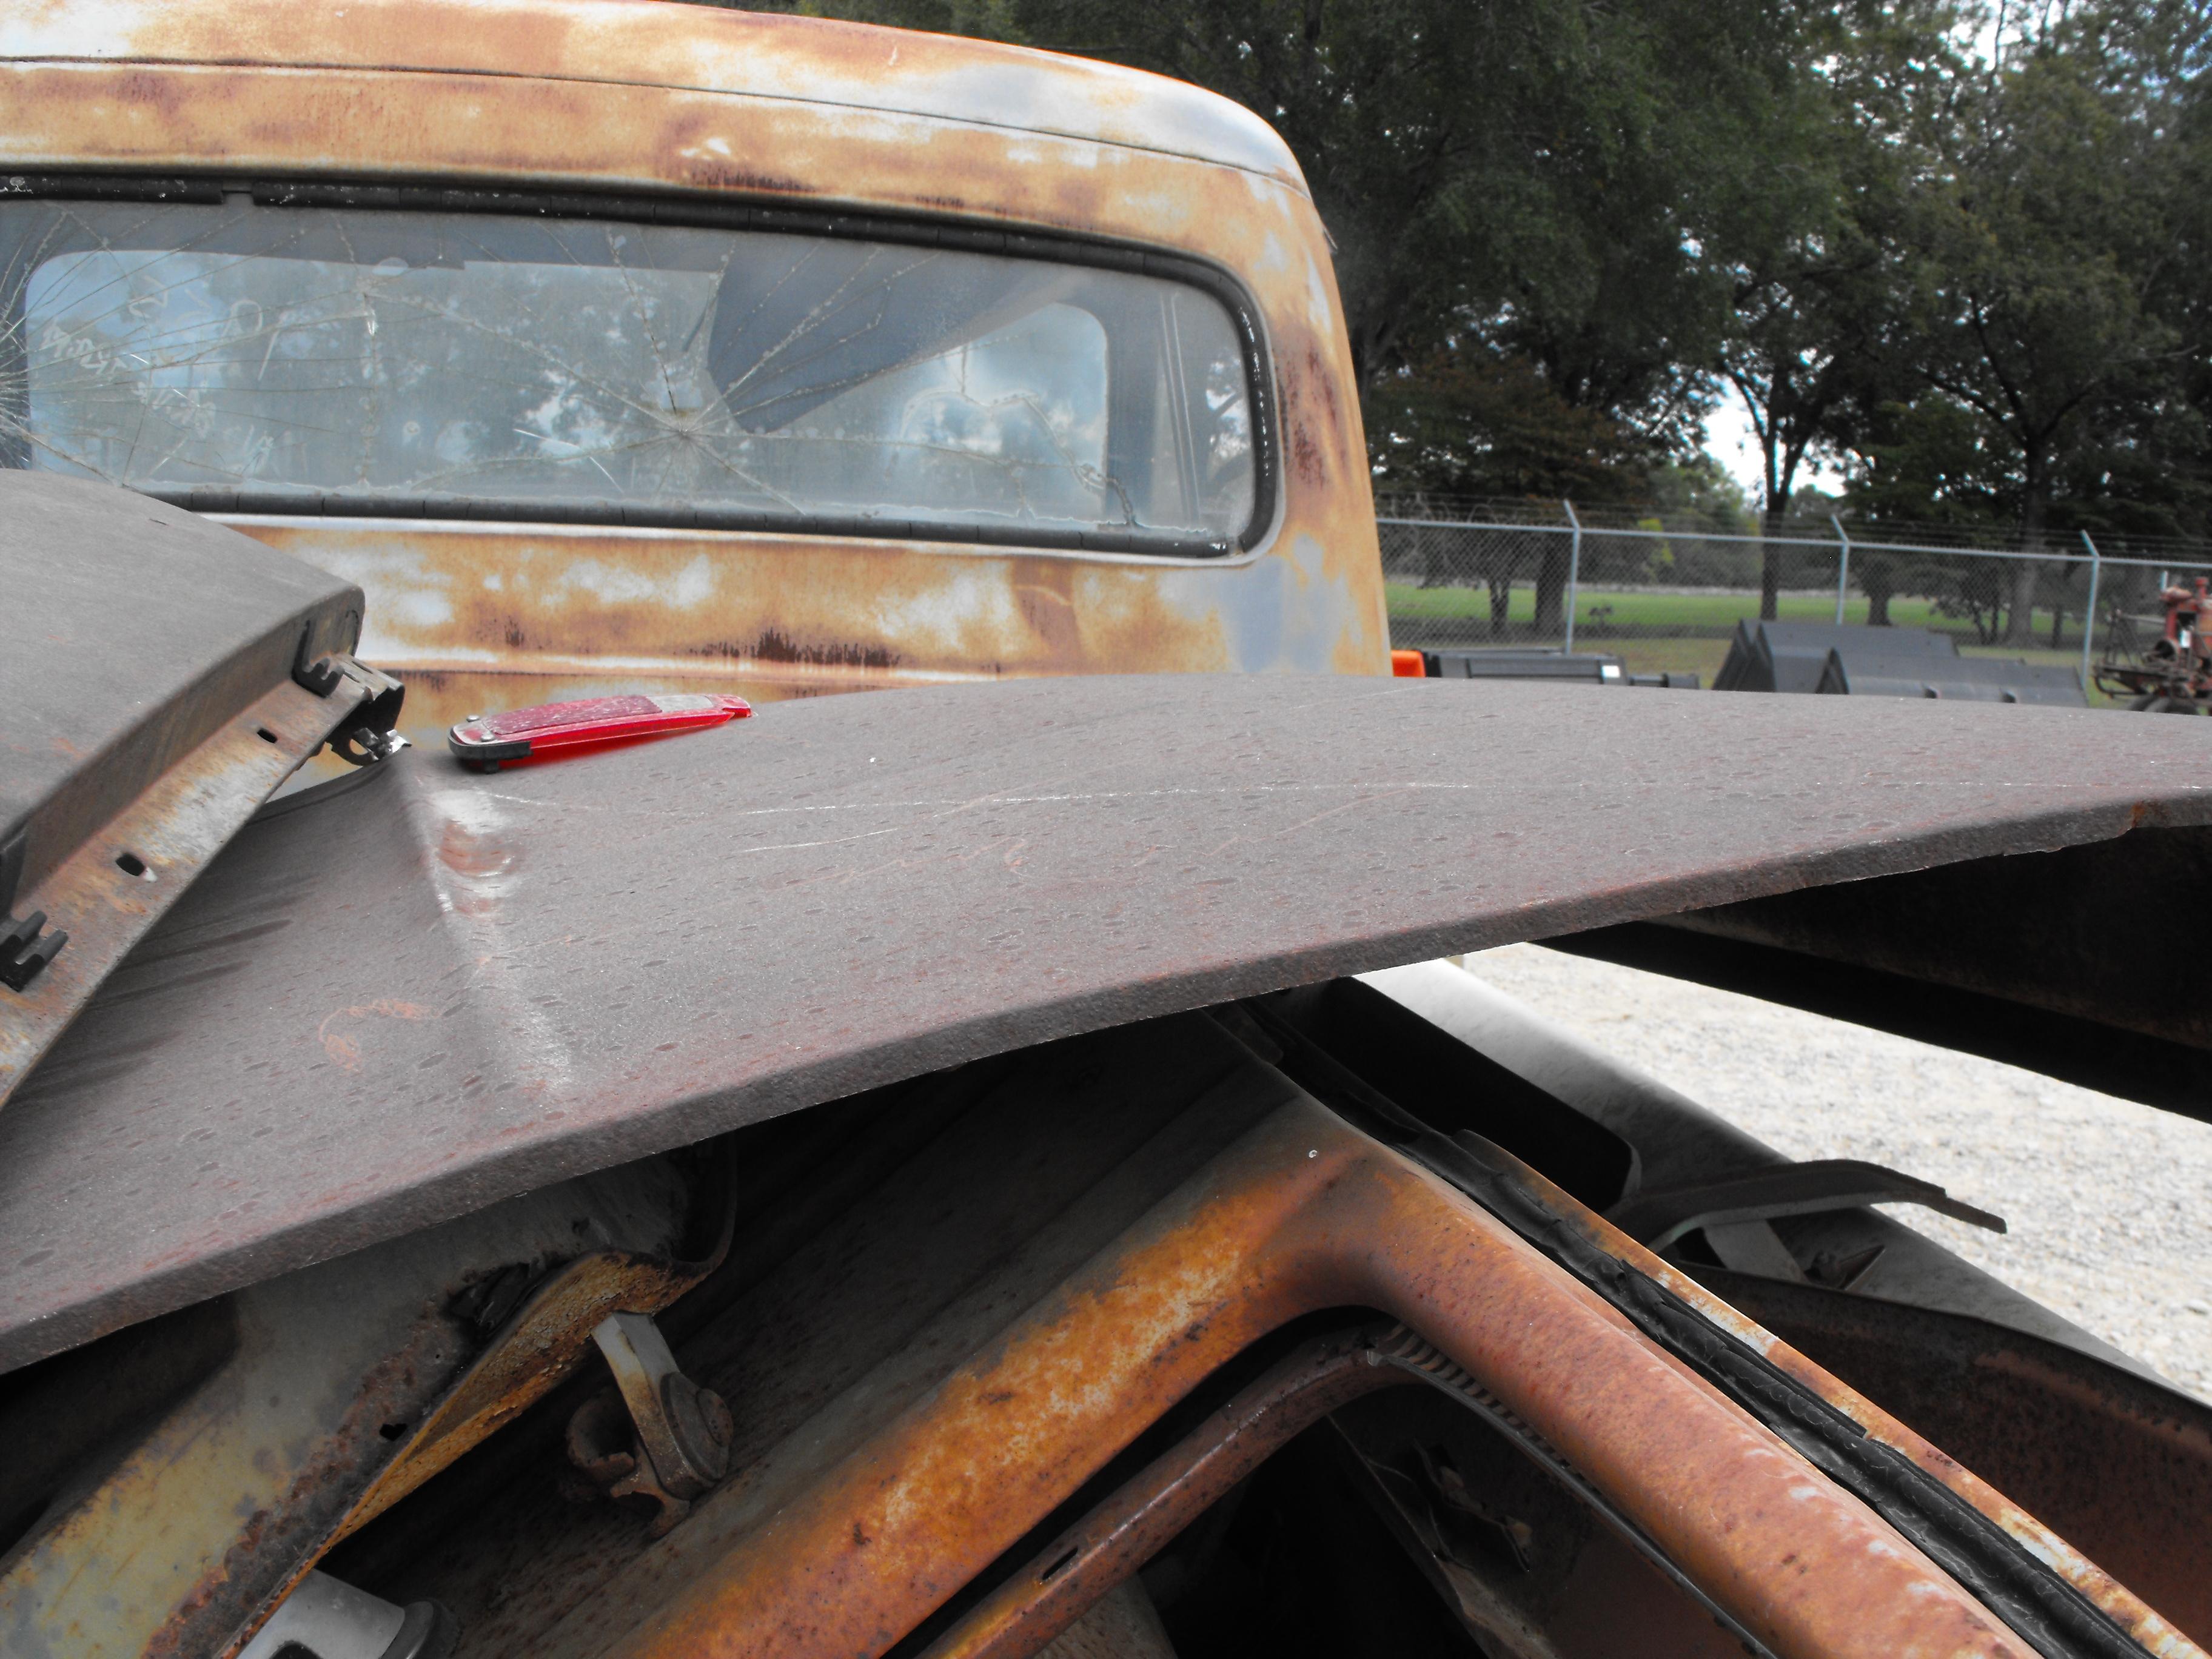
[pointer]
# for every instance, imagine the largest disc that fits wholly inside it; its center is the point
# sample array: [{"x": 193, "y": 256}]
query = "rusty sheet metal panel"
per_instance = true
[
  {"x": 655, "y": 98},
  {"x": 882, "y": 1319},
  {"x": 480, "y": 617},
  {"x": 518, "y": 977},
  {"x": 807, "y": 61},
  {"x": 2149, "y": 1628}
]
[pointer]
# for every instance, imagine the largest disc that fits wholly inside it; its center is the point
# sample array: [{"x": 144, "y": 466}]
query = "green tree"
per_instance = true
[
  {"x": 1533, "y": 180},
  {"x": 1562, "y": 230},
  {"x": 2043, "y": 245},
  {"x": 1823, "y": 310}
]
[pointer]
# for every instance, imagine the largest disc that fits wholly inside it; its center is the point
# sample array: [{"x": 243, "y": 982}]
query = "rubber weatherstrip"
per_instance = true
[{"x": 2040, "y": 1606}]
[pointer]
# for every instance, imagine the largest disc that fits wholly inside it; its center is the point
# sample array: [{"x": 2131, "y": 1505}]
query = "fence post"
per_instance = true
[
  {"x": 2089, "y": 612},
  {"x": 1574, "y": 572},
  {"x": 1843, "y": 567}
]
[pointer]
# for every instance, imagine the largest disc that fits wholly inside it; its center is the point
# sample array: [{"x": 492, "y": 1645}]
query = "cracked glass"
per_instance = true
[{"x": 416, "y": 359}]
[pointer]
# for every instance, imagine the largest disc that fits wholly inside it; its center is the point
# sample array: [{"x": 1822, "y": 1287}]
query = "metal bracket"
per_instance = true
[
  {"x": 25, "y": 950},
  {"x": 682, "y": 1443},
  {"x": 1817, "y": 1187},
  {"x": 364, "y": 746},
  {"x": 368, "y": 736},
  {"x": 327, "y": 1618}
]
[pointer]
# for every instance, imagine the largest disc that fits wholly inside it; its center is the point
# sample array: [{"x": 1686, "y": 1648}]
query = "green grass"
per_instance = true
[{"x": 1600, "y": 613}]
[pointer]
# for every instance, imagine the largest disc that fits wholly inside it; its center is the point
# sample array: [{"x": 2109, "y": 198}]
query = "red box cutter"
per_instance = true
[{"x": 553, "y": 728}]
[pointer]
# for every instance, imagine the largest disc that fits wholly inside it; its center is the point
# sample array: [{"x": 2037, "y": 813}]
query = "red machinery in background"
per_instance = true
[{"x": 2174, "y": 675}]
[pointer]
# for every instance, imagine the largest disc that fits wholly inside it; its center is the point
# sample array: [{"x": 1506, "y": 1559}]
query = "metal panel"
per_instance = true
[
  {"x": 803, "y": 61},
  {"x": 386, "y": 1008},
  {"x": 147, "y": 707},
  {"x": 134, "y": 632},
  {"x": 2038, "y": 960},
  {"x": 339, "y": 1394},
  {"x": 2106, "y": 1459},
  {"x": 920, "y": 1382}
]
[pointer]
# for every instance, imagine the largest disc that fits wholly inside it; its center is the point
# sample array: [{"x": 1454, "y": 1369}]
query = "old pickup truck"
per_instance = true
[{"x": 995, "y": 1166}]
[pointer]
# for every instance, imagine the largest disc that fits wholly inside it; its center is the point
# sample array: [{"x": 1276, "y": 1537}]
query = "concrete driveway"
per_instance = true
[{"x": 2110, "y": 1203}]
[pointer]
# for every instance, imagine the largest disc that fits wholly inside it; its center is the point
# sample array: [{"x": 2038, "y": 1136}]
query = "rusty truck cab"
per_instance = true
[
  {"x": 613, "y": 344},
  {"x": 1041, "y": 1194}
]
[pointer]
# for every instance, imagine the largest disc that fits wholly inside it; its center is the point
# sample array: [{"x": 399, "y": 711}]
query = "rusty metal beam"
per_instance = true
[
  {"x": 347, "y": 1384},
  {"x": 1120, "y": 1535},
  {"x": 1305, "y": 1213},
  {"x": 2107, "y": 1458}
]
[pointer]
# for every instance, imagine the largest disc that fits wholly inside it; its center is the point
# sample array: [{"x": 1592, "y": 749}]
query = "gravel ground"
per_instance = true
[{"x": 2110, "y": 1203}]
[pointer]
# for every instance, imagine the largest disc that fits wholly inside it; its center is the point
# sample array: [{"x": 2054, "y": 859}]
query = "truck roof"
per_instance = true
[{"x": 652, "y": 43}]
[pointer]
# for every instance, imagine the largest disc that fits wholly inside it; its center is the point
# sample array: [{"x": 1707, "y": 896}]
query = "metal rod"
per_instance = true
[
  {"x": 1574, "y": 572},
  {"x": 1843, "y": 567},
  {"x": 2089, "y": 612}
]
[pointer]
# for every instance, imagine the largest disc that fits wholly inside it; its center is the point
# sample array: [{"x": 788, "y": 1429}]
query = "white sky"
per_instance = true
[{"x": 1730, "y": 440}]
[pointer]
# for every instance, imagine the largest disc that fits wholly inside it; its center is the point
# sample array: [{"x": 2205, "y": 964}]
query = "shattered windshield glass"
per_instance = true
[{"x": 435, "y": 358}]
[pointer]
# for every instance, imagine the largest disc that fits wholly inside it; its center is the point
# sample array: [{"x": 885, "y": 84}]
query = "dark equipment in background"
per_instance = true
[
  {"x": 1883, "y": 662},
  {"x": 1596, "y": 668}
]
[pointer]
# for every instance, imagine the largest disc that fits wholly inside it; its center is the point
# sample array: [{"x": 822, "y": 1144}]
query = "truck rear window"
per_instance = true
[{"x": 355, "y": 360}]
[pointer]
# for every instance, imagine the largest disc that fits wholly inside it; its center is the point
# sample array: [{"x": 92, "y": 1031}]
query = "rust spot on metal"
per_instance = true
[
  {"x": 547, "y": 1339},
  {"x": 279, "y": 1541},
  {"x": 544, "y": 1342},
  {"x": 2105, "y": 1458},
  {"x": 1068, "y": 1574},
  {"x": 772, "y": 647}
]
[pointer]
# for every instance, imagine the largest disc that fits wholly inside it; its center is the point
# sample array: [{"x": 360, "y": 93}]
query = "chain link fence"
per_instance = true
[{"x": 1666, "y": 594}]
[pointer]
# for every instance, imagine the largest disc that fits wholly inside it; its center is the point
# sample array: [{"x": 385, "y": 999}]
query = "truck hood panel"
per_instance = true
[{"x": 388, "y": 1005}]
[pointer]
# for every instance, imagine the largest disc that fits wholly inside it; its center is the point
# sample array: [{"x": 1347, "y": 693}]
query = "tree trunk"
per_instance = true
[
  {"x": 1769, "y": 563},
  {"x": 1436, "y": 558},
  {"x": 1501, "y": 604},
  {"x": 1877, "y": 581},
  {"x": 2020, "y": 619},
  {"x": 1781, "y": 473},
  {"x": 2019, "y": 623},
  {"x": 1552, "y": 590}
]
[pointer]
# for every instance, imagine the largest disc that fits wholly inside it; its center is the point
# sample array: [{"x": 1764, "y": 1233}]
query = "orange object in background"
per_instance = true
[{"x": 1409, "y": 665}]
